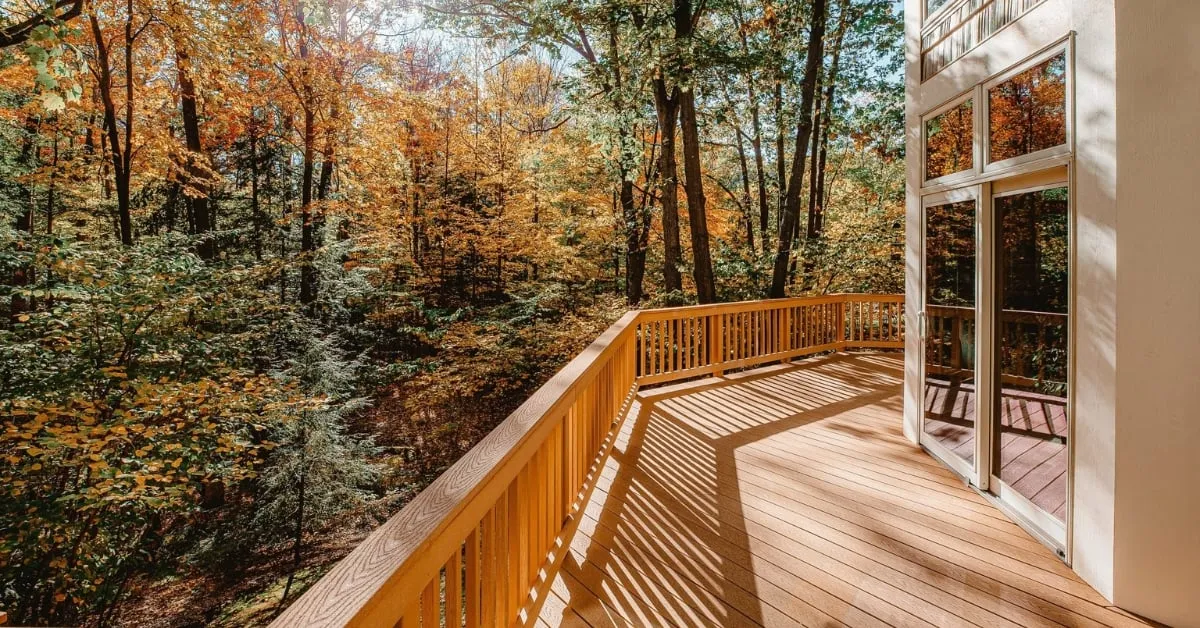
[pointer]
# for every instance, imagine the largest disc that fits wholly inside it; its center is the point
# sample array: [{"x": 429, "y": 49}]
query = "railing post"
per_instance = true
[
  {"x": 786, "y": 345},
  {"x": 843, "y": 330},
  {"x": 716, "y": 343}
]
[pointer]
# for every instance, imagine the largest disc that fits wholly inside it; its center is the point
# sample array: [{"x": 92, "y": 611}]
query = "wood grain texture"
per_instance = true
[
  {"x": 383, "y": 576},
  {"x": 505, "y": 501},
  {"x": 788, "y": 496}
]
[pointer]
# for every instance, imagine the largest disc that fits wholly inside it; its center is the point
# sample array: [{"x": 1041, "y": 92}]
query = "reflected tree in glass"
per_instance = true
[
  {"x": 934, "y": 5},
  {"x": 1032, "y": 278},
  {"x": 1028, "y": 112},
  {"x": 949, "y": 141}
]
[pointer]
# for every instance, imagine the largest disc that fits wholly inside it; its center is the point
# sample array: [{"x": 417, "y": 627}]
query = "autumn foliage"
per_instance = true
[{"x": 267, "y": 268}]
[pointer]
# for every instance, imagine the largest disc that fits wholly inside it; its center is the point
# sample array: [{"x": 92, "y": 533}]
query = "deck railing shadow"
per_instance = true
[
  {"x": 672, "y": 518},
  {"x": 514, "y": 525}
]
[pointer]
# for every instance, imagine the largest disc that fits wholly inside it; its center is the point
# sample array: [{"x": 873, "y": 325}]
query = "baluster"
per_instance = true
[
  {"x": 471, "y": 590},
  {"x": 526, "y": 506},
  {"x": 429, "y": 602},
  {"x": 454, "y": 588},
  {"x": 487, "y": 594}
]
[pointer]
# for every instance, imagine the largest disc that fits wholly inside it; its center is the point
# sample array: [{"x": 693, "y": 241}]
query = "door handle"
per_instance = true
[{"x": 921, "y": 325}]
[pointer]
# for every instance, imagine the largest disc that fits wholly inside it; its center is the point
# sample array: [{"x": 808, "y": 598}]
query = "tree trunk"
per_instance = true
[
  {"x": 197, "y": 177},
  {"x": 308, "y": 240},
  {"x": 780, "y": 153},
  {"x": 298, "y": 538},
  {"x": 702, "y": 269},
  {"x": 666, "y": 107},
  {"x": 255, "y": 204},
  {"x": 747, "y": 206},
  {"x": 635, "y": 253},
  {"x": 23, "y": 275},
  {"x": 803, "y": 132},
  {"x": 120, "y": 155},
  {"x": 764, "y": 216},
  {"x": 635, "y": 248},
  {"x": 816, "y": 197}
]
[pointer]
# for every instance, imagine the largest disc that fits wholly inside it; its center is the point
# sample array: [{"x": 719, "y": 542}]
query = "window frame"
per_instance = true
[
  {"x": 928, "y": 17},
  {"x": 976, "y": 145},
  {"x": 1065, "y": 47}
]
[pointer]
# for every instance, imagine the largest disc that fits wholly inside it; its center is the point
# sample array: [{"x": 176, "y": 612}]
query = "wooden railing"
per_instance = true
[
  {"x": 679, "y": 343},
  {"x": 475, "y": 546}
]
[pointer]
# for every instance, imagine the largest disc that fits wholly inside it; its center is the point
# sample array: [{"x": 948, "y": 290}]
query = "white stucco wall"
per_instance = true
[
  {"x": 1095, "y": 264},
  {"x": 1157, "y": 545},
  {"x": 1136, "y": 505}
]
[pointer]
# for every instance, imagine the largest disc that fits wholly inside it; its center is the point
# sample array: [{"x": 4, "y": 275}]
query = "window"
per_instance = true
[
  {"x": 949, "y": 138},
  {"x": 932, "y": 6},
  {"x": 1028, "y": 112}
]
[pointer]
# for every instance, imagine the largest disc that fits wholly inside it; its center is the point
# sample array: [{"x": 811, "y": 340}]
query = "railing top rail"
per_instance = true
[{"x": 351, "y": 592}]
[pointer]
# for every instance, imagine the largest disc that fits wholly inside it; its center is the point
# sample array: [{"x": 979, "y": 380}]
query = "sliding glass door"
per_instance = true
[
  {"x": 996, "y": 344},
  {"x": 995, "y": 277},
  {"x": 1031, "y": 362},
  {"x": 949, "y": 330}
]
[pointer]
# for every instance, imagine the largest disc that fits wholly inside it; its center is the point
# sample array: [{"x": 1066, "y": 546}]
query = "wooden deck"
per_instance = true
[{"x": 788, "y": 496}]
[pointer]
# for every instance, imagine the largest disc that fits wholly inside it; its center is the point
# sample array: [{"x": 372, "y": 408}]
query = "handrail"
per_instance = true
[{"x": 468, "y": 549}]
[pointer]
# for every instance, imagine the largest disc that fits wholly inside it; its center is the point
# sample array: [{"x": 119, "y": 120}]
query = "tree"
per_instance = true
[
  {"x": 21, "y": 23},
  {"x": 791, "y": 210},
  {"x": 316, "y": 469}
]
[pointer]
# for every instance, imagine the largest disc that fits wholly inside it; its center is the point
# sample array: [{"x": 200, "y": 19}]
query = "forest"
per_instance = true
[{"x": 268, "y": 266}]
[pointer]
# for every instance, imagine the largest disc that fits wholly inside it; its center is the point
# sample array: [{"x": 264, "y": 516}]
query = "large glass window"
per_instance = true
[
  {"x": 1028, "y": 113},
  {"x": 948, "y": 141}
]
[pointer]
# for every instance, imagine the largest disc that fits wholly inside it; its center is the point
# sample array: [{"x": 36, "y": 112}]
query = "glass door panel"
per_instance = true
[
  {"x": 950, "y": 391},
  {"x": 1032, "y": 355}
]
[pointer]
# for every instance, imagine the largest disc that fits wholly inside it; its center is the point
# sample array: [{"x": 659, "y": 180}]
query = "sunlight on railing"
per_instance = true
[{"x": 477, "y": 546}]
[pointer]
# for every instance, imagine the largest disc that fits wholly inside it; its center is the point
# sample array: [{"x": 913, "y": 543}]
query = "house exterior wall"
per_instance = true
[
  {"x": 1095, "y": 262},
  {"x": 1135, "y": 523},
  {"x": 1157, "y": 522}
]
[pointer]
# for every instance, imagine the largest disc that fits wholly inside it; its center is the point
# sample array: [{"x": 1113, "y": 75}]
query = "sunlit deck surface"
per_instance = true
[{"x": 788, "y": 496}]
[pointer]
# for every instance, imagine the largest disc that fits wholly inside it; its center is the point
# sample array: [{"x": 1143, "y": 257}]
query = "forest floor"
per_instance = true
[
  {"x": 249, "y": 595},
  {"x": 422, "y": 426}
]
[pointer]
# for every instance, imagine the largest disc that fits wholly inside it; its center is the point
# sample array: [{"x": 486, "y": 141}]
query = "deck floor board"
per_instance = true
[{"x": 789, "y": 496}]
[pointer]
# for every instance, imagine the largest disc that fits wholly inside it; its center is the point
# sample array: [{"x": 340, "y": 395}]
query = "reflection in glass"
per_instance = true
[
  {"x": 950, "y": 332},
  {"x": 934, "y": 5},
  {"x": 948, "y": 142},
  {"x": 1028, "y": 112},
  {"x": 1032, "y": 280}
]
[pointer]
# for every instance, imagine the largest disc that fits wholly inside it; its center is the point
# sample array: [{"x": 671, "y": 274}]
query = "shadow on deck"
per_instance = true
[{"x": 788, "y": 496}]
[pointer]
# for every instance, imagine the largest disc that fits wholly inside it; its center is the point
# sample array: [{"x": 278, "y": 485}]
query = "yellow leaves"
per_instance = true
[
  {"x": 35, "y": 467},
  {"x": 176, "y": 462},
  {"x": 115, "y": 372},
  {"x": 35, "y": 451}
]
